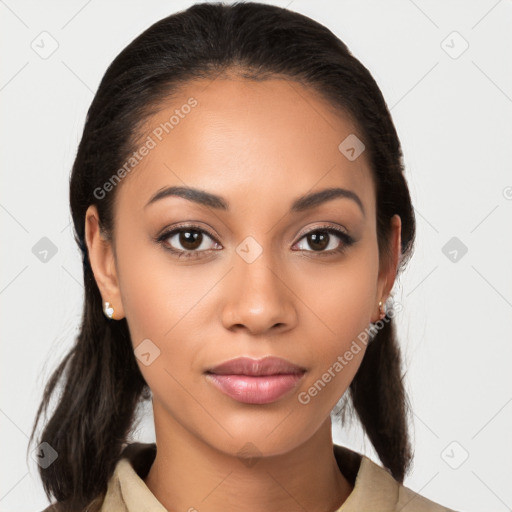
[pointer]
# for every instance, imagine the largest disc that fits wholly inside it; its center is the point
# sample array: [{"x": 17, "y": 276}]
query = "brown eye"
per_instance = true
[
  {"x": 190, "y": 239},
  {"x": 326, "y": 241},
  {"x": 318, "y": 240},
  {"x": 187, "y": 241}
]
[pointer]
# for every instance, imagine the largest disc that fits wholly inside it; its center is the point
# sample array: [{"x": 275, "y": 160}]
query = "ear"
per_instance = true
[
  {"x": 389, "y": 267},
  {"x": 102, "y": 259}
]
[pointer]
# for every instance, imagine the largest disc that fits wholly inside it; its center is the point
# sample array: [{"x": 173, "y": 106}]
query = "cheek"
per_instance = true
[
  {"x": 342, "y": 304},
  {"x": 162, "y": 304},
  {"x": 156, "y": 292},
  {"x": 342, "y": 296}
]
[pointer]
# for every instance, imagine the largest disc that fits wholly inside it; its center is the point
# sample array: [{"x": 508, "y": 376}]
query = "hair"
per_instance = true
[{"x": 100, "y": 383}]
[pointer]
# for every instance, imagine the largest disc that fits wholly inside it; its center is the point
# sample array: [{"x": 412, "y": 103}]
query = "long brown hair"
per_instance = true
[{"x": 100, "y": 383}]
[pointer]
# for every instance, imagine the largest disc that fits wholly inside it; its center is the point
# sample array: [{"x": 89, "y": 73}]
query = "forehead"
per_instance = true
[{"x": 248, "y": 141}]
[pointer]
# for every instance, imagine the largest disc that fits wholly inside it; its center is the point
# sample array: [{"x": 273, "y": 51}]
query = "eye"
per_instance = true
[
  {"x": 322, "y": 242},
  {"x": 186, "y": 241},
  {"x": 190, "y": 241}
]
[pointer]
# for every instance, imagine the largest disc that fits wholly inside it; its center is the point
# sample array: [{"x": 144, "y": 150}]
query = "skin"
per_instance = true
[{"x": 259, "y": 145}]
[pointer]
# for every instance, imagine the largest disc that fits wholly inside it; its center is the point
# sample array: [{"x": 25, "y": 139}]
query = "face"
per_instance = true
[{"x": 248, "y": 274}]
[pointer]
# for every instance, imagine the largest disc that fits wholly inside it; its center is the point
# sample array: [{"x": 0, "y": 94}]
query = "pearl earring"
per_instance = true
[
  {"x": 382, "y": 310},
  {"x": 108, "y": 310}
]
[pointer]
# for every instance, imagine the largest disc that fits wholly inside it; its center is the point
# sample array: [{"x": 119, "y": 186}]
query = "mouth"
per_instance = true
[
  {"x": 270, "y": 365},
  {"x": 256, "y": 381}
]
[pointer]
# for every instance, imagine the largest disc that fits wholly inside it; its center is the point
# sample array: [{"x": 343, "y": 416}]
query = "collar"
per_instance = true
[{"x": 374, "y": 488}]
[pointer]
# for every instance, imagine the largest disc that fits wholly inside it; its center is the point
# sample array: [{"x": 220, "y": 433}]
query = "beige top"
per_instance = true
[{"x": 374, "y": 487}]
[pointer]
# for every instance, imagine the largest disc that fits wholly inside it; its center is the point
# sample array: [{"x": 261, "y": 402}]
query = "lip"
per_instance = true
[
  {"x": 255, "y": 381},
  {"x": 269, "y": 365}
]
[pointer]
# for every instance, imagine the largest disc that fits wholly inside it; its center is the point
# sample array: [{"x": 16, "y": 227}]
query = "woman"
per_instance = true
[{"x": 239, "y": 200}]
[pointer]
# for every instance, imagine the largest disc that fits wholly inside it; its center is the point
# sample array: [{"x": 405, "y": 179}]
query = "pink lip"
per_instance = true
[{"x": 255, "y": 381}]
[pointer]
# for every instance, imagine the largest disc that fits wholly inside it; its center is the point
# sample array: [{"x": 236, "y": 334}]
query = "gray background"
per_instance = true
[{"x": 452, "y": 108}]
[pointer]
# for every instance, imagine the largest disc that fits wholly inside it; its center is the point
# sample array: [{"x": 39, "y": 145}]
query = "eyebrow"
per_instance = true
[{"x": 300, "y": 204}]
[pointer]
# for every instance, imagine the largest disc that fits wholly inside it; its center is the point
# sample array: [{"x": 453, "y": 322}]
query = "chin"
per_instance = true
[{"x": 253, "y": 441}]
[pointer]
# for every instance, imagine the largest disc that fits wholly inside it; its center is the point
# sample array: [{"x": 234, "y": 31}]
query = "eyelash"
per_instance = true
[{"x": 344, "y": 237}]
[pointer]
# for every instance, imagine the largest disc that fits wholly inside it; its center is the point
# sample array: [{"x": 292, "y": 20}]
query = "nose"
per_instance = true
[{"x": 258, "y": 297}]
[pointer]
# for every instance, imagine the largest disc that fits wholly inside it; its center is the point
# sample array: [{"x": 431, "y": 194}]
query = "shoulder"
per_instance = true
[
  {"x": 133, "y": 465},
  {"x": 374, "y": 488},
  {"x": 411, "y": 501},
  {"x": 399, "y": 496}
]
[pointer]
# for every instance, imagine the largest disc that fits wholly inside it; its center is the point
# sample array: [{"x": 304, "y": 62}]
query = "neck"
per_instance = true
[{"x": 189, "y": 474}]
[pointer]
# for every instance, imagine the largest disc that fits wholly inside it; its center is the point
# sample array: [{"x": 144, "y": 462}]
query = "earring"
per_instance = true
[
  {"x": 108, "y": 310},
  {"x": 382, "y": 310},
  {"x": 382, "y": 314}
]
